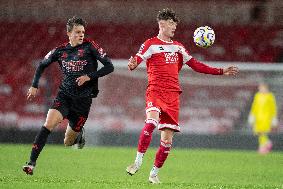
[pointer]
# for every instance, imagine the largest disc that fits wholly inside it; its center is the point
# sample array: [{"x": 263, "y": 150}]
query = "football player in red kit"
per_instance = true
[{"x": 164, "y": 59}]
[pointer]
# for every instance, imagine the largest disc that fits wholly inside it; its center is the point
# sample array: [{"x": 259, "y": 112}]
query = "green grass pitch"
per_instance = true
[{"x": 104, "y": 167}]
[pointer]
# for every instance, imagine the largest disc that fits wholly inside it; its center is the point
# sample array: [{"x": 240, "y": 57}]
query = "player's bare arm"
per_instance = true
[
  {"x": 231, "y": 70},
  {"x": 82, "y": 79},
  {"x": 31, "y": 93},
  {"x": 133, "y": 63}
]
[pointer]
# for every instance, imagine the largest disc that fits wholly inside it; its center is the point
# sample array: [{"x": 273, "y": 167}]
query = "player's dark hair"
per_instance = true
[
  {"x": 167, "y": 14},
  {"x": 75, "y": 21}
]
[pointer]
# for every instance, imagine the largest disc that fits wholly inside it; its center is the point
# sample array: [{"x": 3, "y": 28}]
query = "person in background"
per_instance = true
[{"x": 263, "y": 116}]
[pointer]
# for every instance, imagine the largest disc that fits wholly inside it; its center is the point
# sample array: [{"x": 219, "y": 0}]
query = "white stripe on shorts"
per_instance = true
[{"x": 170, "y": 126}]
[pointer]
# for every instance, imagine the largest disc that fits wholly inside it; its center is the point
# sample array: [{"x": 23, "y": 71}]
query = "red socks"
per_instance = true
[
  {"x": 146, "y": 134},
  {"x": 162, "y": 153},
  {"x": 145, "y": 139}
]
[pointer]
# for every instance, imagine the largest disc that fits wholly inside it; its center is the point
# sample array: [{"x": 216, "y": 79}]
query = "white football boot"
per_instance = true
[
  {"x": 154, "y": 179},
  {"x": 132, "y": 169}
]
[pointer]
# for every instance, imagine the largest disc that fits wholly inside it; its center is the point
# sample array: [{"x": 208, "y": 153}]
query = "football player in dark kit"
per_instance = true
[{"x": 78, "y": 62}]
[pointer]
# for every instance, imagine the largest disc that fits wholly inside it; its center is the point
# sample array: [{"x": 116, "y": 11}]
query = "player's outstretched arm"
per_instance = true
[
  {"x": 133, "y": 63},
  {"x": 203, "y": 68},
  {"x": 31, "y": 93},
  {"x": 231, "y": 70}
]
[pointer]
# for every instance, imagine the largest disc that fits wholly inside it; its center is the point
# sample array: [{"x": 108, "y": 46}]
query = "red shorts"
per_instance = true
[{"x": 167, "y": 104}]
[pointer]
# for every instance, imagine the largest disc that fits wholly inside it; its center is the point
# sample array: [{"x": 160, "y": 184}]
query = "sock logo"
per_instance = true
[
  {"x": 146, "y": 133},
  {"x": 35, "y": 146}
]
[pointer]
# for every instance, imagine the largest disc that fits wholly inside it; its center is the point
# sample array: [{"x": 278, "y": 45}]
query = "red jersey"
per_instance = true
[{"x": 164, "y": 61}]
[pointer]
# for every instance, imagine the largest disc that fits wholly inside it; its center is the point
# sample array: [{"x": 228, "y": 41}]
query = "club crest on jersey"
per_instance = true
[
  {"x": 171, "y": 57},
  {"x": 64, "y": 55},
  {"x": 80, "y": 52}
]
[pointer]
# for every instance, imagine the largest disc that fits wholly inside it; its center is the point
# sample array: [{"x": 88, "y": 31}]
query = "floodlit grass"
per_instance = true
[{"x": 104, "y": 167}]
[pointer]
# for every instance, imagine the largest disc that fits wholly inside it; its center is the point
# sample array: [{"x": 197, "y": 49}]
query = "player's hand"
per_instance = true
[
  {"x": 232, "y": 70},
  {"x": 31, "y": 93},
  {"x": 82, "y": 79},
  {"x": 133, "y": 63}
]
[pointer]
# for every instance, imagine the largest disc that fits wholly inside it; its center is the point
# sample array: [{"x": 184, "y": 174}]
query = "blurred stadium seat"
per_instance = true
[{"x": 233, "y": 43}]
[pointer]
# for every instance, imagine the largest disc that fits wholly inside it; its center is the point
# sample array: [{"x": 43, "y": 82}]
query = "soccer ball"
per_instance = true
[{"x": 204, "y": 36}]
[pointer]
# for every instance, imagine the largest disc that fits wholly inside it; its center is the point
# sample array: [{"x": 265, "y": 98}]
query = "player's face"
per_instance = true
[
  {"x": 76, "y": 36},
  {"x": 169, "y": 28},
  {"x": 263, "y": 88}
]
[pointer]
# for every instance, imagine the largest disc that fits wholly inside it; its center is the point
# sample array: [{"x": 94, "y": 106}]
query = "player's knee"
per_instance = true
[
  {"x": 50, "y": 125},
  {"x": 153, "y": 113},
  {"x": 167, "y": 140}
]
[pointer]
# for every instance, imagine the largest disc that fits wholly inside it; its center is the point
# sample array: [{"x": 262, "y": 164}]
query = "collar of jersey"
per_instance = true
[{"x": 164, "y": 41}]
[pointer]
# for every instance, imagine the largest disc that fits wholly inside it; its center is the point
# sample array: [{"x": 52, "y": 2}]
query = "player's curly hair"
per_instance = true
[
  {"x": 167, "y": 14},
  {"x": 75, "y": 21}
]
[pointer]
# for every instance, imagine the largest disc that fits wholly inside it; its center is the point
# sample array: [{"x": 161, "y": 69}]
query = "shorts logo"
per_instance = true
[{"x": 149, "y": 104}]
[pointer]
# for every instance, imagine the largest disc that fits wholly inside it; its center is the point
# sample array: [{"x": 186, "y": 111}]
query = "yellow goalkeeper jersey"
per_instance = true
[{"x": 263, "y": 110}]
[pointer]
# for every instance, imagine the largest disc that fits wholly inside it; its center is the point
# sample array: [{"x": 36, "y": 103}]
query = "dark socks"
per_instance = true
[{"x": 38, "y": 144}]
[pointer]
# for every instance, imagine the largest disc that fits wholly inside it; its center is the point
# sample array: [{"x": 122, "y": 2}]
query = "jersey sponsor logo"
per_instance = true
[
  {"x": 74, "y": 66},
  {"x": 171, "y": 57}
]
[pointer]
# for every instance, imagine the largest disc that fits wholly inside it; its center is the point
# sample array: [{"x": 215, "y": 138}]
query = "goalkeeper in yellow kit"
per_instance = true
[{"x": 263, "y": 116}]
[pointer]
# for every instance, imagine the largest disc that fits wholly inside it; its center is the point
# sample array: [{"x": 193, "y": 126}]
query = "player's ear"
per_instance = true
[
  {"x": 161, "y": 23},
  {"x": 69, "y": 34}
]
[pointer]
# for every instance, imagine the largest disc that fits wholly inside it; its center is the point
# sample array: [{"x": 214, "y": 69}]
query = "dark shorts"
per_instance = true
[{"x": 76, "y": 110}]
